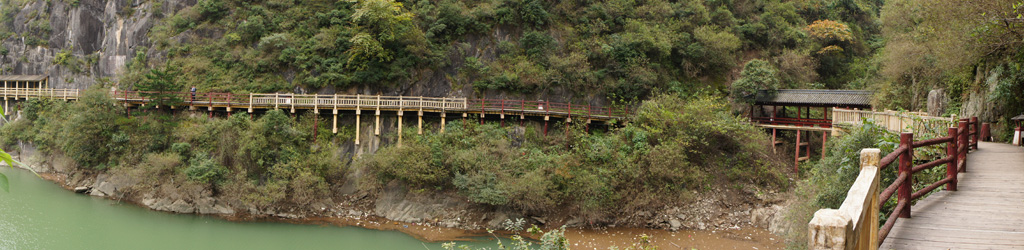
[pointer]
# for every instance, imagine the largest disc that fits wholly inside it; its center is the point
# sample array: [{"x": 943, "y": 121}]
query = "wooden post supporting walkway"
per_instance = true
[{"x": 986, "y": 211}]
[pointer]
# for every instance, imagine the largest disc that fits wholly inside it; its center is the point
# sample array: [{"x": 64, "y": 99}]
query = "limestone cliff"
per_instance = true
[{"x": 79, "y": 42}]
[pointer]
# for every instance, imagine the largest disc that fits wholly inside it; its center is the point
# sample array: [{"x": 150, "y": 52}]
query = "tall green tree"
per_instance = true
[
  {"x": 757, "y": 75},
  {"x": 161, "y": 86}
]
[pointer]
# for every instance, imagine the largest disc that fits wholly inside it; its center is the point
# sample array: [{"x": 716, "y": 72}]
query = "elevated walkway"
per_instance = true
[{"x": 987, "y": 211}]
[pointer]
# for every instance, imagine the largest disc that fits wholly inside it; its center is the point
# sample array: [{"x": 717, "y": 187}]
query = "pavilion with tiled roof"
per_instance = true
[{"x": 775, "y": 111}]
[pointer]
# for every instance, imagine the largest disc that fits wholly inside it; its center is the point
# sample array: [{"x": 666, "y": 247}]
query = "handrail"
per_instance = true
[
  {"x": 829, "y": 227},
  {"x": 892, "y": 120}
]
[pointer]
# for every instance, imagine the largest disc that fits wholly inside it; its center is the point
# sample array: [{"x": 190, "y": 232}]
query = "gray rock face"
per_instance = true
[
  {"x": 209, "y": 205},
  {"x": 676, "y": 224},
  {"x": 107, "y": 185},
  {"x": 102, "y": 30},
  {"x": 181, "y": 207},
  {"x": 977, "y": 102},
  {"x": 397, "y": 204},
  {"x": 937, "y": 102},
  {"x": 104, "y": 189}
]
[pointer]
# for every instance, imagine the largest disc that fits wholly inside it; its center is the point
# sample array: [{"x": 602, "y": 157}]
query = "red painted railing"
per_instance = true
[
  {"x": 803, "y": 122},
  {"x": 958, "y": 142}
]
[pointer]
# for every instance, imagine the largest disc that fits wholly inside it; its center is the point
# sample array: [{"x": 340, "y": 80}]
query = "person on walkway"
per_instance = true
[{"x": 193, "y": 90}]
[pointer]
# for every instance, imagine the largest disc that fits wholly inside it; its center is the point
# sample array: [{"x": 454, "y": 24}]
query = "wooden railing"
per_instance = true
[
  {"x": 544, "y": 107},
  {"x": 366, "y": 102},
  {"x": 855, "y": 224},
  {"x": 66, "y": 94},
  {"x": 892, "y": 120}
]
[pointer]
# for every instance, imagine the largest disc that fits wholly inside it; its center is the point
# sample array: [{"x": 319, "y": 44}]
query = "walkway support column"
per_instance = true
[
  {"x": 335, "y": 126},
  {"x": 443, "y": 114},
  {"x": 376, "y": 127},
  {"x": 419, "y": 122},
  {"x": 359, "y": 113},
  {"x": 400, "y": 127},
  {"x": 546, "y": 118}
]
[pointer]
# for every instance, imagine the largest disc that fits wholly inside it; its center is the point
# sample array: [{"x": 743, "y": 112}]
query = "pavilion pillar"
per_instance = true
[
  {"x": 774, "y": 142},
  {"x": 824, "y": 138},
  {"x": 796, "y": 156}
]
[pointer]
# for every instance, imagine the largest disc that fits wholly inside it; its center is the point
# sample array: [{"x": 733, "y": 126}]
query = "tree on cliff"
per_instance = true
[{"x": 161, "y": 86}]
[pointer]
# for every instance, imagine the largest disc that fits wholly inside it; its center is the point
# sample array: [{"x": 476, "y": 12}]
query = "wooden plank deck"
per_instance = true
[{"x": 987, "y": 211}]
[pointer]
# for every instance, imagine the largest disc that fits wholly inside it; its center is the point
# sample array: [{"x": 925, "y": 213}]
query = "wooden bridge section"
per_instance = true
[
  {"x": 986, "y": 211},
  {"x": 979, "y": 208},
  {"x": 442, "y": 106}
]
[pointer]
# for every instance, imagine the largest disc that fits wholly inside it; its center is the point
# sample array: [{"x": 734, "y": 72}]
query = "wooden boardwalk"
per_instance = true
[
  {"x": 986, "y": 213},
  {"x": 376, "y": 103}
]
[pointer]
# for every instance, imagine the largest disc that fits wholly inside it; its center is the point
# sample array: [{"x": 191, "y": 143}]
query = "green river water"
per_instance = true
[{"x": 38, "y": 214}]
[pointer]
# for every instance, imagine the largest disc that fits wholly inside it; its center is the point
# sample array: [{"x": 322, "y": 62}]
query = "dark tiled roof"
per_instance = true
[
  {"x": 1017, "y": 118},
  {"x": 27, "y": 78},
  {"x": 816, "y": 97}
]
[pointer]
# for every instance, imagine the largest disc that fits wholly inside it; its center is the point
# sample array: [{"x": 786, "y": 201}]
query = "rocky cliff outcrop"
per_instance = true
[
  {"x": 86, "y": 41},
  {"x": 977, "y": 101}
]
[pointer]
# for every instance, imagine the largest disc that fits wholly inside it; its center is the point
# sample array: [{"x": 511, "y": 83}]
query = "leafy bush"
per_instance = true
[
  {"x": 212, "y": 10},
  {"x": 181, "y": 148},
  {"x": 529, "y": 12},
  {"x": 756, "y": 75},
  {"x": 271, "y": 140},
  {"x": 536, "y": 44},
  {"x": 202, "y": 168},
  {"x": 88, "y": 136}
]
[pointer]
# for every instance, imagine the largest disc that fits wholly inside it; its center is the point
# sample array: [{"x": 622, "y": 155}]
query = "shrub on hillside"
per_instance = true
[
  {"x": 91, "y": 136},
  {"x": 204, "y": 169},
  {"x": 757, "y": 75},
  {"x": 672, "y": 146}
]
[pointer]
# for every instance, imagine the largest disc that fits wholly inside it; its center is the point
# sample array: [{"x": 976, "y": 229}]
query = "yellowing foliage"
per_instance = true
[{"x": 830, "y": 31}]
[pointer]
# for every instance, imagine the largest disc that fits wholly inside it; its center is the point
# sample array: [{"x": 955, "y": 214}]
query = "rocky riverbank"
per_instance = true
[{"x": 395, "y": 207}]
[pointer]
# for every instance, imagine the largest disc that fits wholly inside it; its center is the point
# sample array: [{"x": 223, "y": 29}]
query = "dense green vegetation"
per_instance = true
[
  {"x": 272, "y": 160},
  {"x": 617, "y": 49},
  {"x": 670, "y": 149},
  {"x": 269, "y": 160},
  {"x": 976, "y": 49}
]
